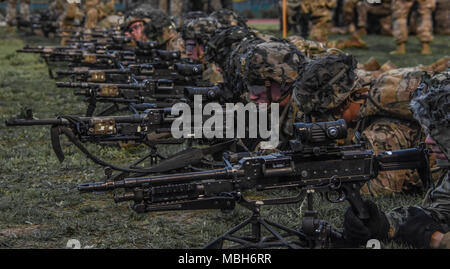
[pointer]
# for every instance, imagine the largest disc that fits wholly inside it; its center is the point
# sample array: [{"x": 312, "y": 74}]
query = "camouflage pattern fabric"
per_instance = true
[
  {"x": 382, "y": 12},
  {"x": 233, "y": 71},
  {"x": 200, "y": 29},
  {"x": 223, "y": 41},
  {"x": 309, "y": 48},
  {"x": 348, "y": 11},
  {"x": 400, "y": 10},
  {"x": 325, "y": 83},
  {"x": 228, "y": 18},
  {"x": 277, "y": 61},
  {"x": 173, "y": 40},
  {"x": 391, "y": 94},
  {"x": 212, "y": 74},
  {"x": 72, "y": 16},
  {"x": 12, "y": 12},
  {"x": 431, "y": 108},
  {"x": 320, "y": 12},
  {"x": 442, "y": 17},
  {"x": 92, "y": 14},
  {"x": 385, "y": 134}
]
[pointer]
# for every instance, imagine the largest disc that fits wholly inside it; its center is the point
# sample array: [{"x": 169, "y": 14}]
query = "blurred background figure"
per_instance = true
[
  {"x": 400, "y": 11},
  {"x": 320, "y": 12},
  {"x": 24, "y": 6}
]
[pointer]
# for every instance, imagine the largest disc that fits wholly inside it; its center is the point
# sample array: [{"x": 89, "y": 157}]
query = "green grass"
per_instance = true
[{"x": 40, "y": 206}]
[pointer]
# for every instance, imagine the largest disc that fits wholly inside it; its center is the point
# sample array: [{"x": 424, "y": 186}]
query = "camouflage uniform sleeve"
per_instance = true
[
  {"x": 436, "y": 205},
  {"x": 177, "y": 43},
  {"x": 387, "y": 134}
]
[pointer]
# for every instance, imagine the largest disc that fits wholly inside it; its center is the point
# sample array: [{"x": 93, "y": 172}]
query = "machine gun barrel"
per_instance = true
[
  {"x": 156, "y": 180},
  {"x": 87, "y": 85},
  {"x": 64, "y": 120}
]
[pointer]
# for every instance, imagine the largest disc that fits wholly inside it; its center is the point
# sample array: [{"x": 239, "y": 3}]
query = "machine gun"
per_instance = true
[
  {"x": 151, "y": 127},
  {"x": 148, "y": 91},
  {"x": 181, "y": 72},
  {"x": 315, "y": 164}
]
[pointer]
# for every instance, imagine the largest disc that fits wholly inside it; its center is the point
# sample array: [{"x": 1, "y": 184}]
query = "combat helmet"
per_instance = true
[
  {"x": 200, "y": 29},
  {"x": 269, "y": 65},
  {"x": 325, "y": 83},
  {"x": 432, "y": 109},
  {"x": 228, "y": 18},
  {"x": 159, "y": 21},
  {"x": 140, "y": 13},
  {"x": 223, "y": 41}
]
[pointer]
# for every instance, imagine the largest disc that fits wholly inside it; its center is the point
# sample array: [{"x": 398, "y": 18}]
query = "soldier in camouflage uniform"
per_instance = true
[
  {"x": 400, "y": 10},
  {"x": 356, "y": 10},
  {"x": 196, "y": 34},
  {"x": 427, "y": 225},
  {"x": 320, "y": 13},
  {"x": 269, "y": 70},
  {"x": 92, "y": 16},
  {"x": 71, "y": 17},
  {"x": 442, "y": 17},
  {"x": 12, "y": 12},
  {"x": 382, "y": 13},
  {"x": 146, "y": 23},
  {"x": 375, "y": 109},
  {"x": 107, "y": 16}
]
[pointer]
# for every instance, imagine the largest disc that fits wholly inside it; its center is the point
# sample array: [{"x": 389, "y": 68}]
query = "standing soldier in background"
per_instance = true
[
  {"x": 382, "y": 12},
  {"x": 172, "y": 7},
  {"x": 71, "y": 17},
  {"x": 12, "y": 11},
  {"x": 442, "y": 17},
  {"x": 90, "y": 9},
  {"x": 356, "y": 11},
  {"x": 400, "y": 10},
  {"x": 320, "y": 13}
]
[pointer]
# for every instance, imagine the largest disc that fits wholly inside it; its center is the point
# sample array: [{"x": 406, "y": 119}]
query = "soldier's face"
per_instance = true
[
  {"x": 435, "y": 148},
  {"x": 259, "y": 93},
  {"x": 194, "y": 50},
  {"x": 137, "y": 31}
]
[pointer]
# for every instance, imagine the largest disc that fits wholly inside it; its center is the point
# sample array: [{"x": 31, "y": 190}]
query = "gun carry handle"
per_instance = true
[{"x": 353, "y": 196}]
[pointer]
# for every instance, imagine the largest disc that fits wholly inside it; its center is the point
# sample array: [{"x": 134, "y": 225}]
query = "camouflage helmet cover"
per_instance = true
[
  {"x": 200, "y": 29},
  {"x": 228, "y": 18},
  {"x": 158, "y": 21},
  {"x": 432, "y": 109},
  {"x": 223, "y": 41},
  {"x": 325, "y": 83},
  {"x": 140, "y": 13},
  {"x": 275, "y": 60}
]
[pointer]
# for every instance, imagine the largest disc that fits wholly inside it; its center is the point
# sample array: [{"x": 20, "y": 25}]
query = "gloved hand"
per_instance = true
[
  {"x": 358, "y": 232},
  {"x": 418, "y": 228}
]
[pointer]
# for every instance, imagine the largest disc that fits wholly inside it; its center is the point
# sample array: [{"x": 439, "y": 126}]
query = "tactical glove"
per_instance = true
[
  {"x": 358, "y": 232},
  {"x": 418, "y": 228}
]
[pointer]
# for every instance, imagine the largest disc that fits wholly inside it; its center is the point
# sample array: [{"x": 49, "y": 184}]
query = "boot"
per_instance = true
[
  {"x": 439, "y": 66},
  {"x": 356, "y": 42},
  {"x": 362, "y": 31},
  {"x": 426, "y": 50},
  {"x": 371, "y": 64},
  {"x": 387, "y": 66},
  {"x": 399, "y": 50}
]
